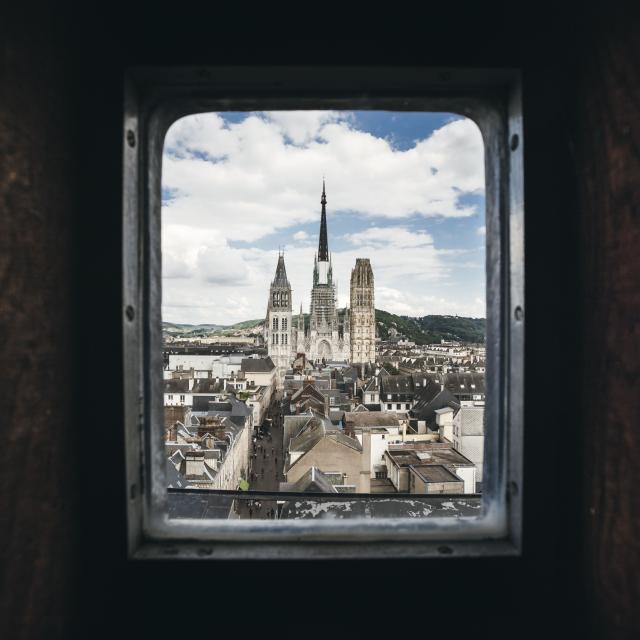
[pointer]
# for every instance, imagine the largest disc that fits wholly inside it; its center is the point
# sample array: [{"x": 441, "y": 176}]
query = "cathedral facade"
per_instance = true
[{"x": 327, "y": 335}]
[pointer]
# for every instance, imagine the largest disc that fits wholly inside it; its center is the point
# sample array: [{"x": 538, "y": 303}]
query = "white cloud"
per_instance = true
[
  {"x": 482, "y": 231},
  {"x": 397, "y": 237},
  {"x": 244, "y": 177},
  {"x": 301, "y": 126},
  {"x": 247, "y": 180},
  {"x": 409, "y": 304}
]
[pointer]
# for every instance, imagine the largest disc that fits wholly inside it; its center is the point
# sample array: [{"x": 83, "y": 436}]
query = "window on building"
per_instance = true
[
  {"x": 489, "y": 100},
  {"x": 274, "y": 324}
]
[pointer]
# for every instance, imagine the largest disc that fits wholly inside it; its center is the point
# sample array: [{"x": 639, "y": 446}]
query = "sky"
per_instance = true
[{"x": 405, "y": 190}]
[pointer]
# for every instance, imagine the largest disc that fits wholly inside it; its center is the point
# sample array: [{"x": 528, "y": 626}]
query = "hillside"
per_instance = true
[
  {"x": 247, "y": 327},
  {"x": 428, "y": 329},
  {"x": 421, "y": 330}
]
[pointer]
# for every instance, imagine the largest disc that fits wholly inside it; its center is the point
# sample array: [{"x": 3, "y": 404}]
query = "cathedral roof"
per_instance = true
[{"x": 281, "y": 274}]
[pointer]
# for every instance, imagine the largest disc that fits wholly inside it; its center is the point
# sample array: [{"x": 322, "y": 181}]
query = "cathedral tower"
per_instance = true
[
  {"x": 328, "y": 339},
  {"x": 278, "y": 329},
  {"x": 363, "y": 313}
]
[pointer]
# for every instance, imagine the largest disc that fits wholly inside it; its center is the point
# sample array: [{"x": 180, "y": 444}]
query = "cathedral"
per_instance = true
[{"x": 331, "y": 334}]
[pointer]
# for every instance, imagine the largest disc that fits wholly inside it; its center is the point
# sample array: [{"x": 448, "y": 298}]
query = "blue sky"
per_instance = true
[{"x": 405, "y": 190}]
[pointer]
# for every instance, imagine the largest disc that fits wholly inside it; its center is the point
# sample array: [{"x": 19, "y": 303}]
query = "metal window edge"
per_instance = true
[{"x": 165, "y": 95}]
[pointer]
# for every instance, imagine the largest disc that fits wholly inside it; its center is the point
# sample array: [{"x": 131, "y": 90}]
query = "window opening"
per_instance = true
[{"x": 214, "y": 448}]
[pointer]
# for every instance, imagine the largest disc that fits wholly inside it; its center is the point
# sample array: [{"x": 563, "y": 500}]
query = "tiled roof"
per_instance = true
[{"x": 397, "y": 384}]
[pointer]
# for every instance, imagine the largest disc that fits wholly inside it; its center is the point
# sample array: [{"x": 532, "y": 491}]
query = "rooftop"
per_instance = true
[
  {"x": 437, "y": 456},
  {"x": 371, "y": 419},
  {"x": 257, "y": 365},
  {"x": 434, "y": 473}
]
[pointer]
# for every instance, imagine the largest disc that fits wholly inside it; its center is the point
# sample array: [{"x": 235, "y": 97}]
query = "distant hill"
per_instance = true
[
  {"x": 204, "y": 330},
  {"x": 421, "y": 330},
  {"x": 174, "y": 328},
  {"x": 428, "y": 329}
]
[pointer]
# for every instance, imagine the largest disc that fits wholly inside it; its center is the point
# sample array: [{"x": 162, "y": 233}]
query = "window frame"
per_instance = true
[{"x": 154, "y": 99}]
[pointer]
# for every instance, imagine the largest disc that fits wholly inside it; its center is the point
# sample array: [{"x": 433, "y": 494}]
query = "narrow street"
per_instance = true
[{"x": 266, "y": 464}]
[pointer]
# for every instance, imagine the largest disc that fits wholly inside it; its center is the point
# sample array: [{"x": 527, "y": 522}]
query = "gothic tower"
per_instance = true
[
  {"x": 278, "y": 329},
  {"x": 327, "y": 338},
  {"x": 363, "y": 314}
]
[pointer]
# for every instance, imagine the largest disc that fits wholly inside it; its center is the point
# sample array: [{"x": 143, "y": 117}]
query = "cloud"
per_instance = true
[
  {"x": 396, "y": 237},
  {"x": 244, "y": 181},
  {"x": 263, "y": 174},
  {"x": 222, "y": 265},
  {"x": 409, "y": 304},
  {"x": 482, "y": 231},
  {"x": 302, "y": 126}
]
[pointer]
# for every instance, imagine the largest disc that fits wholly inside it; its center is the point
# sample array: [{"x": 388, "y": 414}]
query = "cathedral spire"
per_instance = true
[
  {"x": 323, "y": 245},
  {"x": 281, "y": 273}
]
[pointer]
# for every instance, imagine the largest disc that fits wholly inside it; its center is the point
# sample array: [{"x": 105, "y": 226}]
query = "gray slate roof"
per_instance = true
[
  {"x": 460, "y": 383},
  {"x": 313, "y": 481},
  {"x": 430, "y": 399},
  {"x": 176, "y": 386},
  {"x": 397, "y": 384},
  {"x": 257, "y": 365}
]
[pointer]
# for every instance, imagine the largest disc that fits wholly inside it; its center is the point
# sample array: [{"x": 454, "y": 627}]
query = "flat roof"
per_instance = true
[
  {"x": 434, "y": 473},
  {"x": 441, "y": 455}
]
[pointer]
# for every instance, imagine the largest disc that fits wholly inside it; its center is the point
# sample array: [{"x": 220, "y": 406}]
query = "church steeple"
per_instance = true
[
  {"x": 323, "y": 245},
  {"x": 280, "y": 292},
  {"x": 281, "y": 273}
]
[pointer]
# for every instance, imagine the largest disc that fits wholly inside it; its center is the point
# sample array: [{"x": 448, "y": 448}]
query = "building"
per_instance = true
[
  {"x": 328, "y": 449},
  {"x": 363, "y": 313},
  {"x": 327, "y": 335},
  {"x": 400, "y": 457},
  {"x": 210, "y": 451},
  {"x": 375, "y": 431},
  {"x": 260, "y": 372},
  {"x": 433, "y": 478},
  {"x": 467, "y": 387},
  {"x": 431, "y": 398},
  {"x": 397, "y": 393},
  {"x": 277, "y": 326},
  {"x": 468, "y": 435}
]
